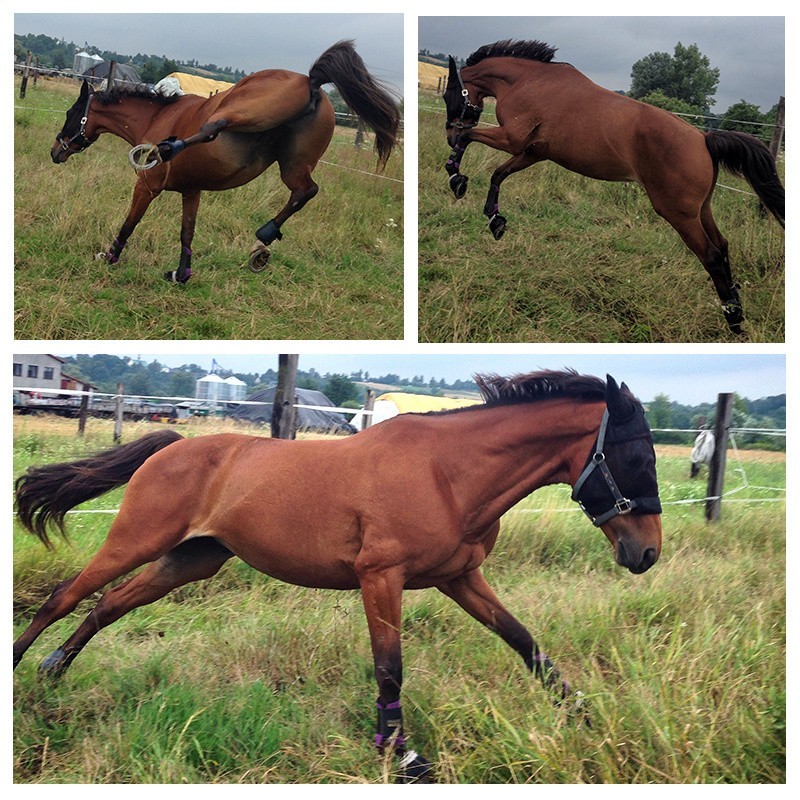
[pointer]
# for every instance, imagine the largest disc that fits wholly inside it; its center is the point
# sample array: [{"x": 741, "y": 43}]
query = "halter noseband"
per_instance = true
[
  {"x": 622, "y": 505},
  {"x": 80, "y": 141}
]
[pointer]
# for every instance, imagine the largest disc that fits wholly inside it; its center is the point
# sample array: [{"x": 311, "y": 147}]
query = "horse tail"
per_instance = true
[
  {"x": 343, "y": 67},
  {"x": 45, "y": 494},
  {"x": 749, "y": 158}
]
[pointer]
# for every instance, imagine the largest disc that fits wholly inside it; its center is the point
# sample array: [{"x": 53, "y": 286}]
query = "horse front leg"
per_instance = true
[
  {"x": 190, "y": 204},
  {"x": 476, "y": 597},
  {"x": 457, "y": 181},
  {"x": 497, "y": 223},
  {"x": 381, "y": 592},
  {"x": 142, "y": 197}
]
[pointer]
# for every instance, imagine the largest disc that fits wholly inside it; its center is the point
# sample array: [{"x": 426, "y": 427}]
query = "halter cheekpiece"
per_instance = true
[{"x": 622, "y": 505}]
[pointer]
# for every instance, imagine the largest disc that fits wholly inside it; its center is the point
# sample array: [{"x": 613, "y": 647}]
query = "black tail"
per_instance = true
[
  {"x": 343, "y": 67},
  {"x": 749, "y": 158},
  {"x": 45, "y": 494}
]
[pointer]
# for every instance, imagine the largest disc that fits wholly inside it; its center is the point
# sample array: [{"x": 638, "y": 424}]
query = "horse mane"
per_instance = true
[
  {"x": 120, "y": 91},
  {"x": 534, "y": 387},
  {"x": 530, "y": 49}
]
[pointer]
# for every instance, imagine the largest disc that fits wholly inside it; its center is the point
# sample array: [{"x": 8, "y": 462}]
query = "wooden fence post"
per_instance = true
[
  {"x": 369, "y": 404},
  {"x": 118, "y": 414},
  {"x": 84, "y": 412},
  {"x": 777, "y": 133},
  {"x": 24, "y": 85},
  {"x": 716, "y": 469},
  {"x": 283, "y": 407}
]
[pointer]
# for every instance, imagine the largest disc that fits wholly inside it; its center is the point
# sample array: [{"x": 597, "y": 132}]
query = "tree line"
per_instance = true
[{"x": 58, "y": 54}]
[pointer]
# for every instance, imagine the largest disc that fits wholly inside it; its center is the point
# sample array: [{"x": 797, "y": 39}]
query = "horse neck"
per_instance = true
[
  {"x": 514, "y": 450},
  {"x": 493, "y": 77},
  {"x": 129, "y": 118}
]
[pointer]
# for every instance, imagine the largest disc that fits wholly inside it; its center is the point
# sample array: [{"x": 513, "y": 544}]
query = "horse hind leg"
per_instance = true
[
  {"x": 700, "y": 234},
  {"x": 193, "y": 560},
  {"x": 190, "y": 204}
]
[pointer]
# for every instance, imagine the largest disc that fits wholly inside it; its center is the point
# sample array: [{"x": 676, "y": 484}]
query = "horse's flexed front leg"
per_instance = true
[
  {"x": 497, "y": 223},
  {"x": 457, "y": 181}
]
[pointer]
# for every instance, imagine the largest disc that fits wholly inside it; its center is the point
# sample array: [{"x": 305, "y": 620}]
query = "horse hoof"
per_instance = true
[
  {"x": 259, "y": 257},
  {"x": 54, "y": 666},
  {"x": 458, "y": 183},
  {"x": 734, "y": 316},
  {"x": 173, "y": 277},
  {"x": 414, "y": 769},
  {"x": 497, "y": 225}
]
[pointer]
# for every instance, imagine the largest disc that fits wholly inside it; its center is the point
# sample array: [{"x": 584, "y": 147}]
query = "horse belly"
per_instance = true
[{"x": 293, "y": 541}]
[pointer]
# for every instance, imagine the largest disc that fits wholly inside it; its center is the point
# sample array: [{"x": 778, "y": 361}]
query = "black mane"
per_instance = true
[
  {"x": 531, "y": 50},
  {"x": 146, "y": 90},
  {"x": 536, "y": 386}
]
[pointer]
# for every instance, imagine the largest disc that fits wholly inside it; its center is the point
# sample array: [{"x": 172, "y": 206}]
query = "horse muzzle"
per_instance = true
[
  {"x": 59, "y": 153},
  {"x": 634, "y": 558}
]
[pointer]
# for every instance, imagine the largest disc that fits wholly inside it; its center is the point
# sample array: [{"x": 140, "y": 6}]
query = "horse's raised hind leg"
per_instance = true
[
  {"x": 193, "y": 560},
  {"x": 381, "y": 592},
  {"x": 476, "y": 597},
  {"x": 190, "y": 204},
  {"x": 209, "y": 131},
  {"x": 142, "y": 197},
  {"x": 302, "y": 188},
  {"x": 497, "y": 224}
]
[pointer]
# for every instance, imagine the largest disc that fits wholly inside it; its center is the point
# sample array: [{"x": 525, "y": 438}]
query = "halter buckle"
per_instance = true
[{"x": 623, "y": 506}]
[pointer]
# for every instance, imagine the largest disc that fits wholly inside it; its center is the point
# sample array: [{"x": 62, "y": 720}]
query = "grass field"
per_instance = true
[
  {"x": 337, "y": 273},
  {"x": 581, "y": 261},
  {"x": 243, "y": 679}
]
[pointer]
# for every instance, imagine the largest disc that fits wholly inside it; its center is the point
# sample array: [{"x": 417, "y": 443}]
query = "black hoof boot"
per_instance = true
[
  {"x": 497, "y": 225},
  {"x": 269, "y": 232},
  {"x": 175, "y": 277},
  {"x": 414, "y": 769},
  {"x": 734, "y": 316},
  {"x": 458, "y": 183},
  {"x": 169, "y": 148}
]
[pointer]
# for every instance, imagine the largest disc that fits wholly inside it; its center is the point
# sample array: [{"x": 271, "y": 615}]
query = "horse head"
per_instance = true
[
  {"x": 461, "y": 113},
  {"x": 74, "y": 136},
  {"x": 618, "y": 487}
]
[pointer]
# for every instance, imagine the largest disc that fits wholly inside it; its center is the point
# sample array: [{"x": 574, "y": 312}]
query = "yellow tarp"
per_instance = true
[
  {"x": 194, "y": 84},
  {"x": 420, "y": 403},
  {"x": 431, "y": 76}
]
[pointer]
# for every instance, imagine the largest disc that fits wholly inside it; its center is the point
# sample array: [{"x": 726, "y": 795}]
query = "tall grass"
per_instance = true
[
  {"x": 243, "y": 679},
  {"x": 337, "y": 273},
  {"x": 582, "y": 260}
]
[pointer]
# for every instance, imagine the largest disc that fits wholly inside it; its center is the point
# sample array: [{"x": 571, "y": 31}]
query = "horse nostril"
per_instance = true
[{"x": 649, "y": 558}]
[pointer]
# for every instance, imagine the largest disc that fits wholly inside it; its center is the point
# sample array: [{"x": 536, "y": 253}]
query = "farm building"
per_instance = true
[
  {"x": 123, "y": 73},
  {"x": 306, "y": 419}
]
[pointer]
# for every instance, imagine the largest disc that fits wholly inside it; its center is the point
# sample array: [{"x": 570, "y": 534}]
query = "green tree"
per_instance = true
[
  {"x": 339, "y": 388},
  {"x": 746, "y": 117},
  {"x": 660, "y": 100},
  {"x": 686, "y": 75}
]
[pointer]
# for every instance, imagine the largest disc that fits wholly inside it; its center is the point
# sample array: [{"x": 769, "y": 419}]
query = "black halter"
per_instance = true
[
  {"x": 80, "y": 141},
  {"x": 470, "y": 113},
  {"x": 621, "y": 504}
]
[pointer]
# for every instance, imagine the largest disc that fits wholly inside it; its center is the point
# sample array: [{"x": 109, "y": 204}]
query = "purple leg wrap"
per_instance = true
[
  {"x": 390, "y": 726},
  {"x": 112, "y": 256}
]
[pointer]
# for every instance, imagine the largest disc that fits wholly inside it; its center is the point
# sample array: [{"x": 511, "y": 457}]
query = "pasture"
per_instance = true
[
  {"x": 581, "y": 261},
  {"x": 243, "y": 679},
  {"x": 337, "y": 273}
]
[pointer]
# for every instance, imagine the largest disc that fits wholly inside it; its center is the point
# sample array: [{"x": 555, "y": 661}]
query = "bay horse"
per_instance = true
[
  {"x": 268, "y": 116},
  {"x": 409, "y": 503},
  {"x": 548, "y": 110}
]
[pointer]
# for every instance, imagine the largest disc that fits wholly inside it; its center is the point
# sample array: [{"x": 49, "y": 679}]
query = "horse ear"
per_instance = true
[
  {"x": 452, "y": 79},
  {"x": 618, "y": 400}
]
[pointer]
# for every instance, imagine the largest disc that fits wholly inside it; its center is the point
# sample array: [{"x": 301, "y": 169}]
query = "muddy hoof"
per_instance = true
[{"x": 259, "y": 257}]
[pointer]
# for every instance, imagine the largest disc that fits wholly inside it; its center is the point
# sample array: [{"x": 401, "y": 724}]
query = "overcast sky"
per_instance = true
[
  {"x": 687, "y": 379},
  {"x": 249, "y": 42},
  {"x": 748, "y": 51}
]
